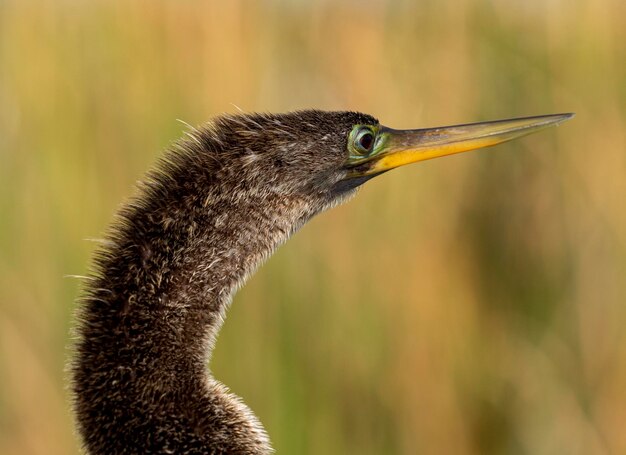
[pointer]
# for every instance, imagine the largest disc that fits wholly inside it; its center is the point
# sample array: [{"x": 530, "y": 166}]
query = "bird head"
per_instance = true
[{"x": 323, "y": 157}]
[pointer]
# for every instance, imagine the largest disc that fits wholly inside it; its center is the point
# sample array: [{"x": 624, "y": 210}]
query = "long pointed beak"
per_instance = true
[{"x": 399, "y": 147}]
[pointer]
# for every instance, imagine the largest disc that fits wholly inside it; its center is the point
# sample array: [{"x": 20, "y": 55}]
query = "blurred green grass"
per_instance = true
[{"x": 469, "y": 305}]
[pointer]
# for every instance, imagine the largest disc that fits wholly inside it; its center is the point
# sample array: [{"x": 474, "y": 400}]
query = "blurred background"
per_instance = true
[{"x": 470, "y": 305}]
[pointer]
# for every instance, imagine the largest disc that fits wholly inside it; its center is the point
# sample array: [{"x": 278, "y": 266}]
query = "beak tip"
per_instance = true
[{"x": 565, "y": 117}]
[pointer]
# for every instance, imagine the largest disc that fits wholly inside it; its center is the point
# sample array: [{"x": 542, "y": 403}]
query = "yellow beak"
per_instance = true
[{"x": 399, "y": 147}]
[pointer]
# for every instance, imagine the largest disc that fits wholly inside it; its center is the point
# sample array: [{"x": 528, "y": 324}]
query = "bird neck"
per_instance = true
[
  {"x": 154, "y": 309},
  {"x": 209, "y": 252}
]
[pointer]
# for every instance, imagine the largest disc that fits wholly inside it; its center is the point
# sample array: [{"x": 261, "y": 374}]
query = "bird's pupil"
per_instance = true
[{"x": 366, "y": 141}]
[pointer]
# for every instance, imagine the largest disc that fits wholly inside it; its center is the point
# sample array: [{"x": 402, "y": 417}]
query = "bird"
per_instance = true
[{"x": 212, "y": 210}]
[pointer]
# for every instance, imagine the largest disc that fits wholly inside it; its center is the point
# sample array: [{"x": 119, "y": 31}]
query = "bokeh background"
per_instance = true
[{"x": 470, "y": 305}]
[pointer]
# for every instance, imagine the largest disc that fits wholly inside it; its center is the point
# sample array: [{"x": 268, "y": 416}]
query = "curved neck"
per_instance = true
[
  {"x": 153, "y": 311},
  {"x": 218, "y": 258}
]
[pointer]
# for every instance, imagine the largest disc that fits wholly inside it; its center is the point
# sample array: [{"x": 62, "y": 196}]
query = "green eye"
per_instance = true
[{"x": 362, "y": 140}]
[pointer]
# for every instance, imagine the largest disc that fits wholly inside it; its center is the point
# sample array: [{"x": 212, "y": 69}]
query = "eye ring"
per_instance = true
[{"x": 363, "y": 140}]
